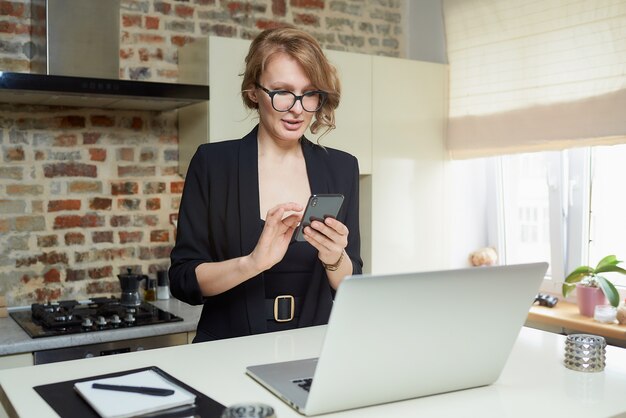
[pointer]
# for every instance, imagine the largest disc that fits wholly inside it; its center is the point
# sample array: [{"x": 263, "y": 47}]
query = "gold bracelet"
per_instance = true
[{"x": 333, "y": 267}]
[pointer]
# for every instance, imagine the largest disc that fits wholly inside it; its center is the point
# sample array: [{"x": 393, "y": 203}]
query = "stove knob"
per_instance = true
[
  {"x": 60, "y": 318},
  {"x": 101, "y": 322},
  {"x": 129, "y": 319},
  {"x": 115, "y": 320},
  {"x": 87, "y": 323}
]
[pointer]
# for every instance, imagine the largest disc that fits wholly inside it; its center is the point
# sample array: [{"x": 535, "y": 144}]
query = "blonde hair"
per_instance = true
[{"x": 305, "y": 49}]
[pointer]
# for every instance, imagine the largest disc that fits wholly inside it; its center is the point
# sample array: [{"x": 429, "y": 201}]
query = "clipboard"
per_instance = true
[{"x": 68, "y": 403}]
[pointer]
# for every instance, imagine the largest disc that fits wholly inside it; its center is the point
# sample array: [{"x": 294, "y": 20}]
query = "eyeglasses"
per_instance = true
[{"x": 284, "y": 100}]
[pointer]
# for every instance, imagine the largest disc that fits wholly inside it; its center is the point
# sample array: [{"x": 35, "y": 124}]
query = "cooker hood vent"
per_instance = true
[{"x": 76, "y": 63}]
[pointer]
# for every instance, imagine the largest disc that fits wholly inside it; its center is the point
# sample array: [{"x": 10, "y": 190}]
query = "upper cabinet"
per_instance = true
[{"x": 219, "y": 62}]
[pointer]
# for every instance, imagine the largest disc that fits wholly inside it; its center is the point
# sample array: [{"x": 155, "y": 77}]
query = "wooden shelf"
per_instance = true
[{"x": 566, "y": 315}]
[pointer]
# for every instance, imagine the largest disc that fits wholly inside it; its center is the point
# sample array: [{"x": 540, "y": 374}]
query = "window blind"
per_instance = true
[{"x": 535, "y": 75}]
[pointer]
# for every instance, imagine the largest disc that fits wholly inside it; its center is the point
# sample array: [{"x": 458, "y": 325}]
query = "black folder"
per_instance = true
[{"x": 68, "y": 403}]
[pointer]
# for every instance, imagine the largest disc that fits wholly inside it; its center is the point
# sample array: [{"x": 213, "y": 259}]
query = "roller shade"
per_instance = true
[{"x": 535, "y": 75}]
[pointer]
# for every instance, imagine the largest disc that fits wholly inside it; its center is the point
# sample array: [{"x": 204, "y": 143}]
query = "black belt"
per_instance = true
[{"x": 283, "y": 308}]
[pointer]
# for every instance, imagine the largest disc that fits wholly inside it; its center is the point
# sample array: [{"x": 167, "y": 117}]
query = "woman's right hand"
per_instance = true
[{"x": 276, "y": 235}]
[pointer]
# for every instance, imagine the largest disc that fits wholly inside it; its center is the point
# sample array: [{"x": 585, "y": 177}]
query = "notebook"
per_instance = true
[
  {"x": 400, "y": 336},
  {"x": 117, "y": 404}
]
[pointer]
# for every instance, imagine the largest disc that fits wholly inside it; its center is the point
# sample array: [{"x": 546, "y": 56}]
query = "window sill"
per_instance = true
[{"x": 565, "y": 315}]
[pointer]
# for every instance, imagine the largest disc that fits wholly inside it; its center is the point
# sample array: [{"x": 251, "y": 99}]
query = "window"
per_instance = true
[{"x": 566, "y": 207}]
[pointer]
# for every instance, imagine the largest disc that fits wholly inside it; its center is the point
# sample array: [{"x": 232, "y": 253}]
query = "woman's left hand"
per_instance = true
[{"x": 330, "y": 238}]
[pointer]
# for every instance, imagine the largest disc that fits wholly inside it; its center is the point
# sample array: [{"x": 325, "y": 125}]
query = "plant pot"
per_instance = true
[{"x": 588, "y": 298}]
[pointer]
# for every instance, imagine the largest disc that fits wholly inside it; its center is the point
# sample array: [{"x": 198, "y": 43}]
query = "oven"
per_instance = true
[{"x": 108, "y": 348}]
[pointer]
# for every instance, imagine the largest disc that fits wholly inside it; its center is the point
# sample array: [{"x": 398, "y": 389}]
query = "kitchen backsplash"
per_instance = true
[{"x": 86, "y": 193}]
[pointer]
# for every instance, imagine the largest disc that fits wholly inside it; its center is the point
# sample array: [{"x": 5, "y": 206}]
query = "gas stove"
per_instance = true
[{"x": 97, "y": 314}]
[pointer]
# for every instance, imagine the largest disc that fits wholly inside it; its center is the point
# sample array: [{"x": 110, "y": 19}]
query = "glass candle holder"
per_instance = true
[
  {"x": 605, "y": 313},
  {"x": 585, "y": 353}
]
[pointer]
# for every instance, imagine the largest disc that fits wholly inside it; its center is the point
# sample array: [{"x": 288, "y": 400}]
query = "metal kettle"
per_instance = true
[{"x": 129, "y": 283}]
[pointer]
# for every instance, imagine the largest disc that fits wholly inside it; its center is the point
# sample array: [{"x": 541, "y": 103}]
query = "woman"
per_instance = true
[{"x": 243, "y": 200}]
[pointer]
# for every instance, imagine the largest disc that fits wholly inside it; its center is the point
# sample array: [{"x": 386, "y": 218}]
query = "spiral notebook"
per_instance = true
[
  {"x": 116, "y": 404},
  {"x": 68, "y": 403}
]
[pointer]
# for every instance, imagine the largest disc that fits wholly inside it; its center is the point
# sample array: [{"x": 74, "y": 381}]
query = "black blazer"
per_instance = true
[{"x": 219, "y": 220}]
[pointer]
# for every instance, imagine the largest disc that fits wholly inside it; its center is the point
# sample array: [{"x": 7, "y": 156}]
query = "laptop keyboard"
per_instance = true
[{"x": 304, "y": 383}]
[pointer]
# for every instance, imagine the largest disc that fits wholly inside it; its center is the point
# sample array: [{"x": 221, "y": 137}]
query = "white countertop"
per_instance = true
[
  {"x": 534, "y": 382},
  {"x": 14, "y": 340}
]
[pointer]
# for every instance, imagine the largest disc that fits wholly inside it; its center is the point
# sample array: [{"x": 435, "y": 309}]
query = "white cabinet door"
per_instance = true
[
  {"x": 353, "y": 117},
  {"x": 409, "y": 164}
]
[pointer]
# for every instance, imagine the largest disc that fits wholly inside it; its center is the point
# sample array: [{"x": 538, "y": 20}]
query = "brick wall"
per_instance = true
[{"x": 87, "y": 193}]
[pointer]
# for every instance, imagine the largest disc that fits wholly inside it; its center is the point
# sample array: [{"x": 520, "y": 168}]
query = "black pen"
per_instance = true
[{"x": 136, "y": 389}]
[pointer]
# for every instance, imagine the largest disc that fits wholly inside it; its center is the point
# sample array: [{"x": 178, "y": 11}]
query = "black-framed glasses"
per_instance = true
[{"x": 284, "y": 100}]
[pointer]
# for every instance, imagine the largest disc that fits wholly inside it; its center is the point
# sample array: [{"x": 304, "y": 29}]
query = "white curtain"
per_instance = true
[{"x": 535, "y": 75}]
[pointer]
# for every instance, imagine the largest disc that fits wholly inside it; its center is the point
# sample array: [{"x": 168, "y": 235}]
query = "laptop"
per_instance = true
[{"x": 400, "y": 336}]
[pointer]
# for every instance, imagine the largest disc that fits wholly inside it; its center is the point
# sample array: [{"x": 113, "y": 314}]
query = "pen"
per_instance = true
[{"x": 137, "y": 389}]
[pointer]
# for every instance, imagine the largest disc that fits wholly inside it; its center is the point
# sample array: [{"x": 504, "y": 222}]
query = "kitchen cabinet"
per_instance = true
[
  {"x": 219, "y": 62},
  {"x": 16, "y": 360}
]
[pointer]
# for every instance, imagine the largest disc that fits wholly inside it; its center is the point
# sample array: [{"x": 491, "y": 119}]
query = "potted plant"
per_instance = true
[{"x": 591, "y": 288}]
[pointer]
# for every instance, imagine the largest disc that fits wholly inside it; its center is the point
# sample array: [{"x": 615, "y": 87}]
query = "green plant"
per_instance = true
[{"x": 590, "y": 277}]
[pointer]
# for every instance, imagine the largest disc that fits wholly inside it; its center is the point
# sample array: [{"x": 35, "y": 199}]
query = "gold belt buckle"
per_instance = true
[{"x": 292, "y": 303}]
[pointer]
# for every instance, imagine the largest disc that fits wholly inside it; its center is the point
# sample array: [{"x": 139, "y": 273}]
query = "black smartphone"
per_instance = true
[{"x": 319, "y": 207}]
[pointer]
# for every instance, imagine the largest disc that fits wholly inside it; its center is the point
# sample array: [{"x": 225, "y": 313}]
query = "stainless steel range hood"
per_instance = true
[{"x": 76, "y": 63}]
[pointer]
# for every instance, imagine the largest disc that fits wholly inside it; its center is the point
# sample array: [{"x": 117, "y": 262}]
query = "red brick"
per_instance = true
[
  {"x": 103, "y": 287},
  {"x": 136, "y": 171},
  {"x": 85, "y": 187},
  {"x": 153, "y": 204},
  {"x": 119, "y": 221},
  {"x": 40, "y": 155},
  {"x": 129, "y": 21},
  {"x": 162, "y": 7},
  {"x": 46, "y": 294},
  {"x": 126, "y": 237},
  {"x": 155, "y": 252},
  {"x": 126, "y": 154},
  {"x": 159, "y": 236},
  {"x": 126, "y": 53},
  {"x": 124, "y": 188},
  {"x": 74, "y": 275},
  {"x": 92, "y": 220},
  {"x": 52, "y": 276},
  {"x": 150, "y": 39},
  {"x": 279, "y": 7},
  {"x": 101, "y": 236},
  {"x": 46, "y": 241},
  {"x": 102, "y": 121},
  {"x": 151, "y": 22},
  {"x": 177, "y": 186},
  {"x": 308, "y": 4},
  {"x": 76, "y": 221},
  {"x": 71, "y": 122},
  {"x": 14, "y": 154},
  {"x": 74, "y": 238},
  {"x": 59, "y": 205},
  {"x": 100, "y": 203},
  {"x": 90, "y": 138},
  {"x": 100, "y": 272},
  {"x": 65, "y": 140},
  {"x": 24, "y": 189},
  {"x": 179, "y": 40},
  {"x": 97, "y": 154},
  {"x": 184, "y": 11},
  {"x": 70, "y": 170},
  {"x": 305, "y": 19},
  {"x": 173, "y": 74},
  {"x": 267, "y": 24},
  {"x": 146, "y": 220}
]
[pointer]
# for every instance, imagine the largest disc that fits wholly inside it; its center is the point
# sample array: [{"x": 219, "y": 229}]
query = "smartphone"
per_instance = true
[{"x": 319, "y": 207}]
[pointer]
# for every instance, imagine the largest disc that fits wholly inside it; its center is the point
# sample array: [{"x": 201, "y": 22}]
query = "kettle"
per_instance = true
[{"x": 129, "y": 283}]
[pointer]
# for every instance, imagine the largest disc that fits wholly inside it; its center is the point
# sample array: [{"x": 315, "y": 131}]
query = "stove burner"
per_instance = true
[{"x": 97, "y": 314}]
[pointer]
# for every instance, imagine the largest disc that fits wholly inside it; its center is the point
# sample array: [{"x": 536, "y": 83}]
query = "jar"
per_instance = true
[{"x": 150, "y": 294}]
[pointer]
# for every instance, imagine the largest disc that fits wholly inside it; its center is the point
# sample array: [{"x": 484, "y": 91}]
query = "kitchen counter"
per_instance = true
[
  {"x": 534, "y": 381},
  {"x": 565, "y": 318},
  {"x": 14, "y": 340}
]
